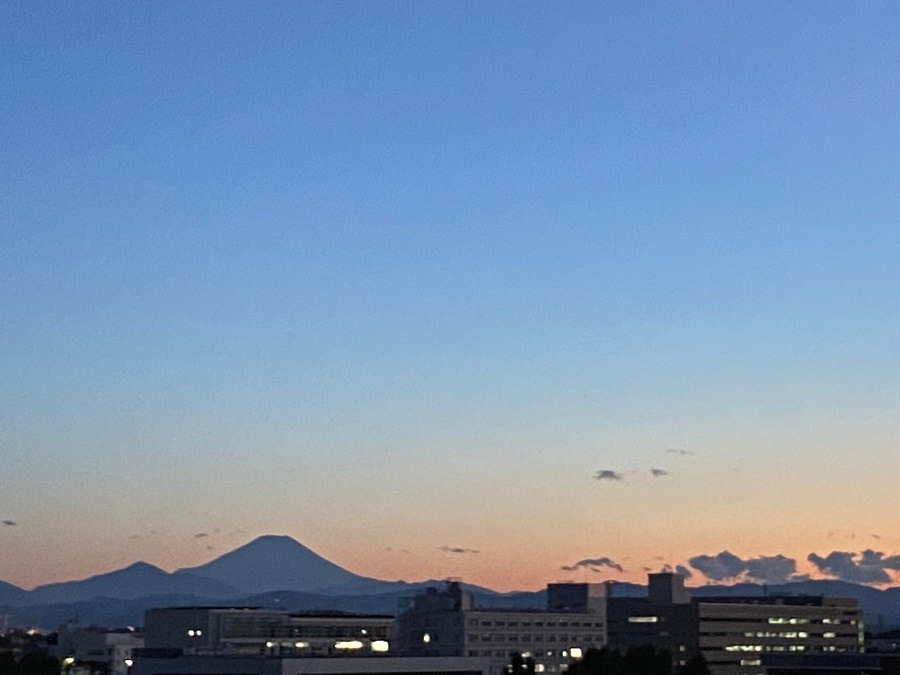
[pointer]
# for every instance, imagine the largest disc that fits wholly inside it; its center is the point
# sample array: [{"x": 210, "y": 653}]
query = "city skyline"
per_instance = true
[{"x": 508, "y": 287}]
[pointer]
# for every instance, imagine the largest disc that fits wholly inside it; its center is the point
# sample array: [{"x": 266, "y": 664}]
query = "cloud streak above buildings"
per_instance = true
[
  {"x": 865, "y": 567},
  {"x": 593, "y": 564}
]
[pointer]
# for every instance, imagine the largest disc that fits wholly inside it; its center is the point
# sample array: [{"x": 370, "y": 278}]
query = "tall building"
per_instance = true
[{"x": 447, "y": 623}]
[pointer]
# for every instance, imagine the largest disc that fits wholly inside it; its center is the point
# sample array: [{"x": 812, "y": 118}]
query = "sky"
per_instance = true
[{"x": 433, "y": 287}]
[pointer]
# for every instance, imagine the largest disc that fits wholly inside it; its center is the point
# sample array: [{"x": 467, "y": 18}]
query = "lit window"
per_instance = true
[{"x": 348, "y": 644}]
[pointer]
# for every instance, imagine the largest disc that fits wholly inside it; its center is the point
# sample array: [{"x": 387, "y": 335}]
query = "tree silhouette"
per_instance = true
[{"x": 636, "y": 661}]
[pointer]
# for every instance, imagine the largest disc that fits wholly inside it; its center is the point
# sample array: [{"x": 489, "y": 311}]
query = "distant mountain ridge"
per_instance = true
[
  {"x": 135, "y": 581},
  {"x": 278, "y": 572}
]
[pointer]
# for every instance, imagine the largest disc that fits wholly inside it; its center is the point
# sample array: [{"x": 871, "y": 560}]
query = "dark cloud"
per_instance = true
[
  {"x": 8, "y": 523},
  {"x": 607, "y": 474},
  {"x": 457, "y": 549},
  {"x": 658, "y": 473},
  {"x": 868, "y": 567},
  {"x": 594, "y": 564},
  {"x": 683, "y": 571},
  {"x": 773, "y": 569},
  {"x": 724, "y": 565},
  {"x": 679, "y": 451}
]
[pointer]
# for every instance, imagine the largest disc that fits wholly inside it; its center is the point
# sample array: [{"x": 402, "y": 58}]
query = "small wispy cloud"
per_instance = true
[
  {"x": 457, "y": 549},
  {"x": 8, "y": 523},
  {"x": 658, "y": 473},
  {"x": 607, "y": 474},
  {"x": 593, "y": 564},
  {"x": 201, "y": 535},
  {"x": 679, "y": 451}
]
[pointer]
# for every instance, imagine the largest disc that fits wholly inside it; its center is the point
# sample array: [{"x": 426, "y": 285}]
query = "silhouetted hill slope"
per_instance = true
[
  {"x": 135, "y": 581},
  {"x": 273, "y": 562},
  {"x": 881, "y": 608},
  {"x": 279, "y": 572},
  {"x": 11, "y": 595}
]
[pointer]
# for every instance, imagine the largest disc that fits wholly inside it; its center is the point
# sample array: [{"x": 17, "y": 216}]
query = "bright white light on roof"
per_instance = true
[
  {"x": 380, "y": 646},
  {"x": 191, "y": 632},
  {"x": 426, "y": 638}
]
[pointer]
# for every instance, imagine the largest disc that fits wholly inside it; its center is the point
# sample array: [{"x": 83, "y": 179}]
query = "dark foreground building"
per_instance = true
[{"x": 733, "y": 633}]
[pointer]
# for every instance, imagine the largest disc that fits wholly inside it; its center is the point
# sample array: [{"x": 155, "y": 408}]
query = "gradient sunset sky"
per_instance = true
[{"x": 397, "y": 278}]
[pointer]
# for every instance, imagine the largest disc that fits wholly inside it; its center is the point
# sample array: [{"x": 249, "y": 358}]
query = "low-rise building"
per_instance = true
[
  {"x": 276, "y": 665},
  {"x": 733, "y": 633},
  {"x": 447, "y": 623},
  {"x": 96, "y": 649},
  {"x": 254, "y": 631}
]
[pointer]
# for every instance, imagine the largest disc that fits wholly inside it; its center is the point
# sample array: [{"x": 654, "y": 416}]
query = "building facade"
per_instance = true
[
  {"x": 91, "y": 648},
  {"x": 276, "y": 665},
  {"x": 250, "y": 631},
  {"x": 447, "y": 623},
  {"x": 733, "y": 633}
]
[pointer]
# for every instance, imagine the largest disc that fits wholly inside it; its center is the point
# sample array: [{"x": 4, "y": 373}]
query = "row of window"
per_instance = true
[
  {"x": 537, "y": 624},
  {"x": 782, "y": 648},
  {"x": 828, "y": 635},
  {"x": 475, "y": 637},
  {"x": 498, "y": 652}
]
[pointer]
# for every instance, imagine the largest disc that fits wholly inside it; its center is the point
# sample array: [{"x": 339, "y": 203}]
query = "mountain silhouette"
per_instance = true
[
  {"x": 135, "y": 581},
  {"x": 11, "y": 595},
  {"x": 279, "y": 572},
  {"x": 274, "y": 563}
]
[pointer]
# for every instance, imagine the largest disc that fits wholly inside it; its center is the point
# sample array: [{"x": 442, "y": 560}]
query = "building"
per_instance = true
[
  {"x": 447, "y": 623},
  {"x": 276, "y": 665},
  {"x": 93, "y": 649},
  {"x": 253, "y": 631},
  {"x": 831, "y": 664},
  {"x": 733, "y": 633},
  {"x": 666, "y": 619}
]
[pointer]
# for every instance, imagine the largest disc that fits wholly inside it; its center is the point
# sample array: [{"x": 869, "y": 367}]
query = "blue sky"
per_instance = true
[{"x": 325, "y": 258}]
